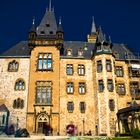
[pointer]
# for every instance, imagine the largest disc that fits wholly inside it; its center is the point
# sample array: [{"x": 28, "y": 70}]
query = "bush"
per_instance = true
[
  {"x": 136, "y": 133},
  {"x": 22, "y": 133},
  {"x": 10, "y": 130}
]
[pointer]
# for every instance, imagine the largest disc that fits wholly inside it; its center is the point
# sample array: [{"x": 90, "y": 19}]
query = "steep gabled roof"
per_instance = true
[
  {"x": 20, "y": 49},
  {"x": 3, "y": 108},
  {"x": 48, "y": 24}
]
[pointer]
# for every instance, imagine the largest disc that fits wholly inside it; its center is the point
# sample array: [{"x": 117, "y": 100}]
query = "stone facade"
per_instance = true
[
  {"x": 76, "y": 117},
  {"x": 52, "y": 98},
  {"x": 7, "y": 89}
]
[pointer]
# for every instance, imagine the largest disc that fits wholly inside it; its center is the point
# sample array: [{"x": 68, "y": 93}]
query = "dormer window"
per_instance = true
[
  {"x": 42, "y": 32},
  {"x": 47, "y": 25},
  {"x": 80, "y": 52},
  {"x": 51, "y": 32},
  {"x": 69, "y": 52}
]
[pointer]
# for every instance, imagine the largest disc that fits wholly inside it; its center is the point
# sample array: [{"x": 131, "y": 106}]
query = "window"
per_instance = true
[
  {"x": 70, "y": 87},
  {"x": 69, "y": 52},
  {"x": 101, "y": 85},
  {"x": 108, "y": 65},
  {"x": 134, "y": 90},
  {"x": 42, "y": 32},
  {"x": 20, "y": 85},
  {"x": 134, "y": 71},
  {"x": 44, "y": 92},
  {"x": 47, "y": 25},
  {"x": 18, "y": 103},
  {"x": 82, "y": 107},
  {"x": 99, "y": 66},
  {"x": 111, "y": 105},
  {"x": 81, "y": 70},
  {"x": 121, "y": 89},
  {"x": 13, "y": 66},
  {"x": 134, "y": 87},
  {"x": 51, "y": 32},
  {"x": 69, "y": 69},
  {"x": 80, "y": 52},
  {"x": 110, "y": 85},
  {"x": 119, "y": 71},
  {"x": 82, "y": 88},
  {"x": 45, "y": 61},
  {"x": 70, "y": 107}
]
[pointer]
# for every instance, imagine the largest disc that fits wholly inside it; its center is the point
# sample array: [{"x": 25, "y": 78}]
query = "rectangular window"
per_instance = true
[
  {"x": 110, "y": 85},
  {"x": 111, "y": 105},
  {"x": 69, "y": 69},
  {"x": 82, "y": 107},
  {"x": 70, "y": 87},
  {"x": 99, "y": 66},
  {"x": 108, "y": 65},
  {"x": 134, "y": 71},
  {"x": 134, "y": 90},
  {"x": 101, "y": 85},
  {"x": 81, "y": 69},
  {"x": 121, "y": 89},
  {"x": 70, "y": 107},
  {"x": 82, "y": 88},
  {"x": 44, "y": 92},
  {"x": 119, "y": 71},
  {"x": 44, "y": 61}
]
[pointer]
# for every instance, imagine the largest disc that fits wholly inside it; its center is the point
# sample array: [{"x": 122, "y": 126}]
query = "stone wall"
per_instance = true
[
  {"x": 7, "y": 89},
  {"x": 83, "y": 121}
]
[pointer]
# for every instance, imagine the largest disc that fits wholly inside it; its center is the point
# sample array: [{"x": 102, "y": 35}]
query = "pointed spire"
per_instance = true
[
  {"x": 60, "y": 22},
  {"x": 33, "y": 28},
  {"x": 60, "y": 25},
  {"x": 50, "y": 6},
  {"x": 110, "y": 41},
  {"x": 93, "y": 29},
  {"x": 33, "y": 21}
]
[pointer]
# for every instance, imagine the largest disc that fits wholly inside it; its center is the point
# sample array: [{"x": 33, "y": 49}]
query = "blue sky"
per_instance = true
[{"x": 118, "y": 18}]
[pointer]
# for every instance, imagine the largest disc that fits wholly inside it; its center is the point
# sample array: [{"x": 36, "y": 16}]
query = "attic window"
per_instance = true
[
  {"x": 42, "y": 32},
  {"x": 51, "y": 32},
  {"x": 80, "y": 52},
  {"x": 69, "y": 52},
  {"x": 47, "y": 25}
]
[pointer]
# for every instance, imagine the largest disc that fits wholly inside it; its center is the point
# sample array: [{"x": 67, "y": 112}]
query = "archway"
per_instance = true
[{"x": 43, "y": 124}]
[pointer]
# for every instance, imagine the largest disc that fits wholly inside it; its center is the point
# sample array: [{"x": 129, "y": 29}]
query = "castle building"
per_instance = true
[{"x": 47, "y": 82}]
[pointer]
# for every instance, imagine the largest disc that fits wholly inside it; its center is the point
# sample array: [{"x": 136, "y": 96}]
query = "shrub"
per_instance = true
[{"x": 136, "y": 133}]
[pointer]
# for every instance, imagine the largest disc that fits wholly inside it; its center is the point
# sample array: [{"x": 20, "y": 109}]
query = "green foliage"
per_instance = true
[{"x": 136, "y": 133}]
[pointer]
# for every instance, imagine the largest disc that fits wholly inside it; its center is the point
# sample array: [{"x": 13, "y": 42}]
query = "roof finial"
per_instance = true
[
  {"x": 93, "y": 30},
  {"x": 50, "y": 6},
  {"x": 110, "y": 41},
  {"x": 33, "y": 22},
  {"x": 60, "y": 21}
]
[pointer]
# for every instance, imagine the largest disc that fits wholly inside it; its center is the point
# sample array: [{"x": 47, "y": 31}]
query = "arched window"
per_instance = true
[
  {"x": 20, "y": 85},
  {"x": 18, "y": 103},
  {"x": 13, "y": 66},
  {"x": 14, "y": 104}
]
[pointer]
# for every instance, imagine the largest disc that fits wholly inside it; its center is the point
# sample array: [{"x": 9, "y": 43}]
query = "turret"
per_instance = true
[
  {"x": 103, "y": 46},
  {"x": 32, "y": 32},
  {"x": 93, "y": 35},
  {"x": 32, "y": 36},
  {"x": 60, "y": 33}
]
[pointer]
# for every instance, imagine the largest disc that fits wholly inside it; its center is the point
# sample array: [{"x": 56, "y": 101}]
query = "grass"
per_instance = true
[{"x": 104, "y": 138}]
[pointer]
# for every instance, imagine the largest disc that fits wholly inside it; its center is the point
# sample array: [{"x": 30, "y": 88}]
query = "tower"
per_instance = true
[
  {"x": 43, "y": 97},
  {"x": 91, "y": 38}
]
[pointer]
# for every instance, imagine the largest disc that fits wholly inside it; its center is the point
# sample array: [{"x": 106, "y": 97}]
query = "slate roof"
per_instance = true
[
  {"x": 18, "y": 50},
  {"x": 75, "y": 46},
  {"x": 123, "y": 51},
  {"x": 48, "y": 24},
  {"x": 3, "y": 108},
  {"x": 22, "y": 50}
]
